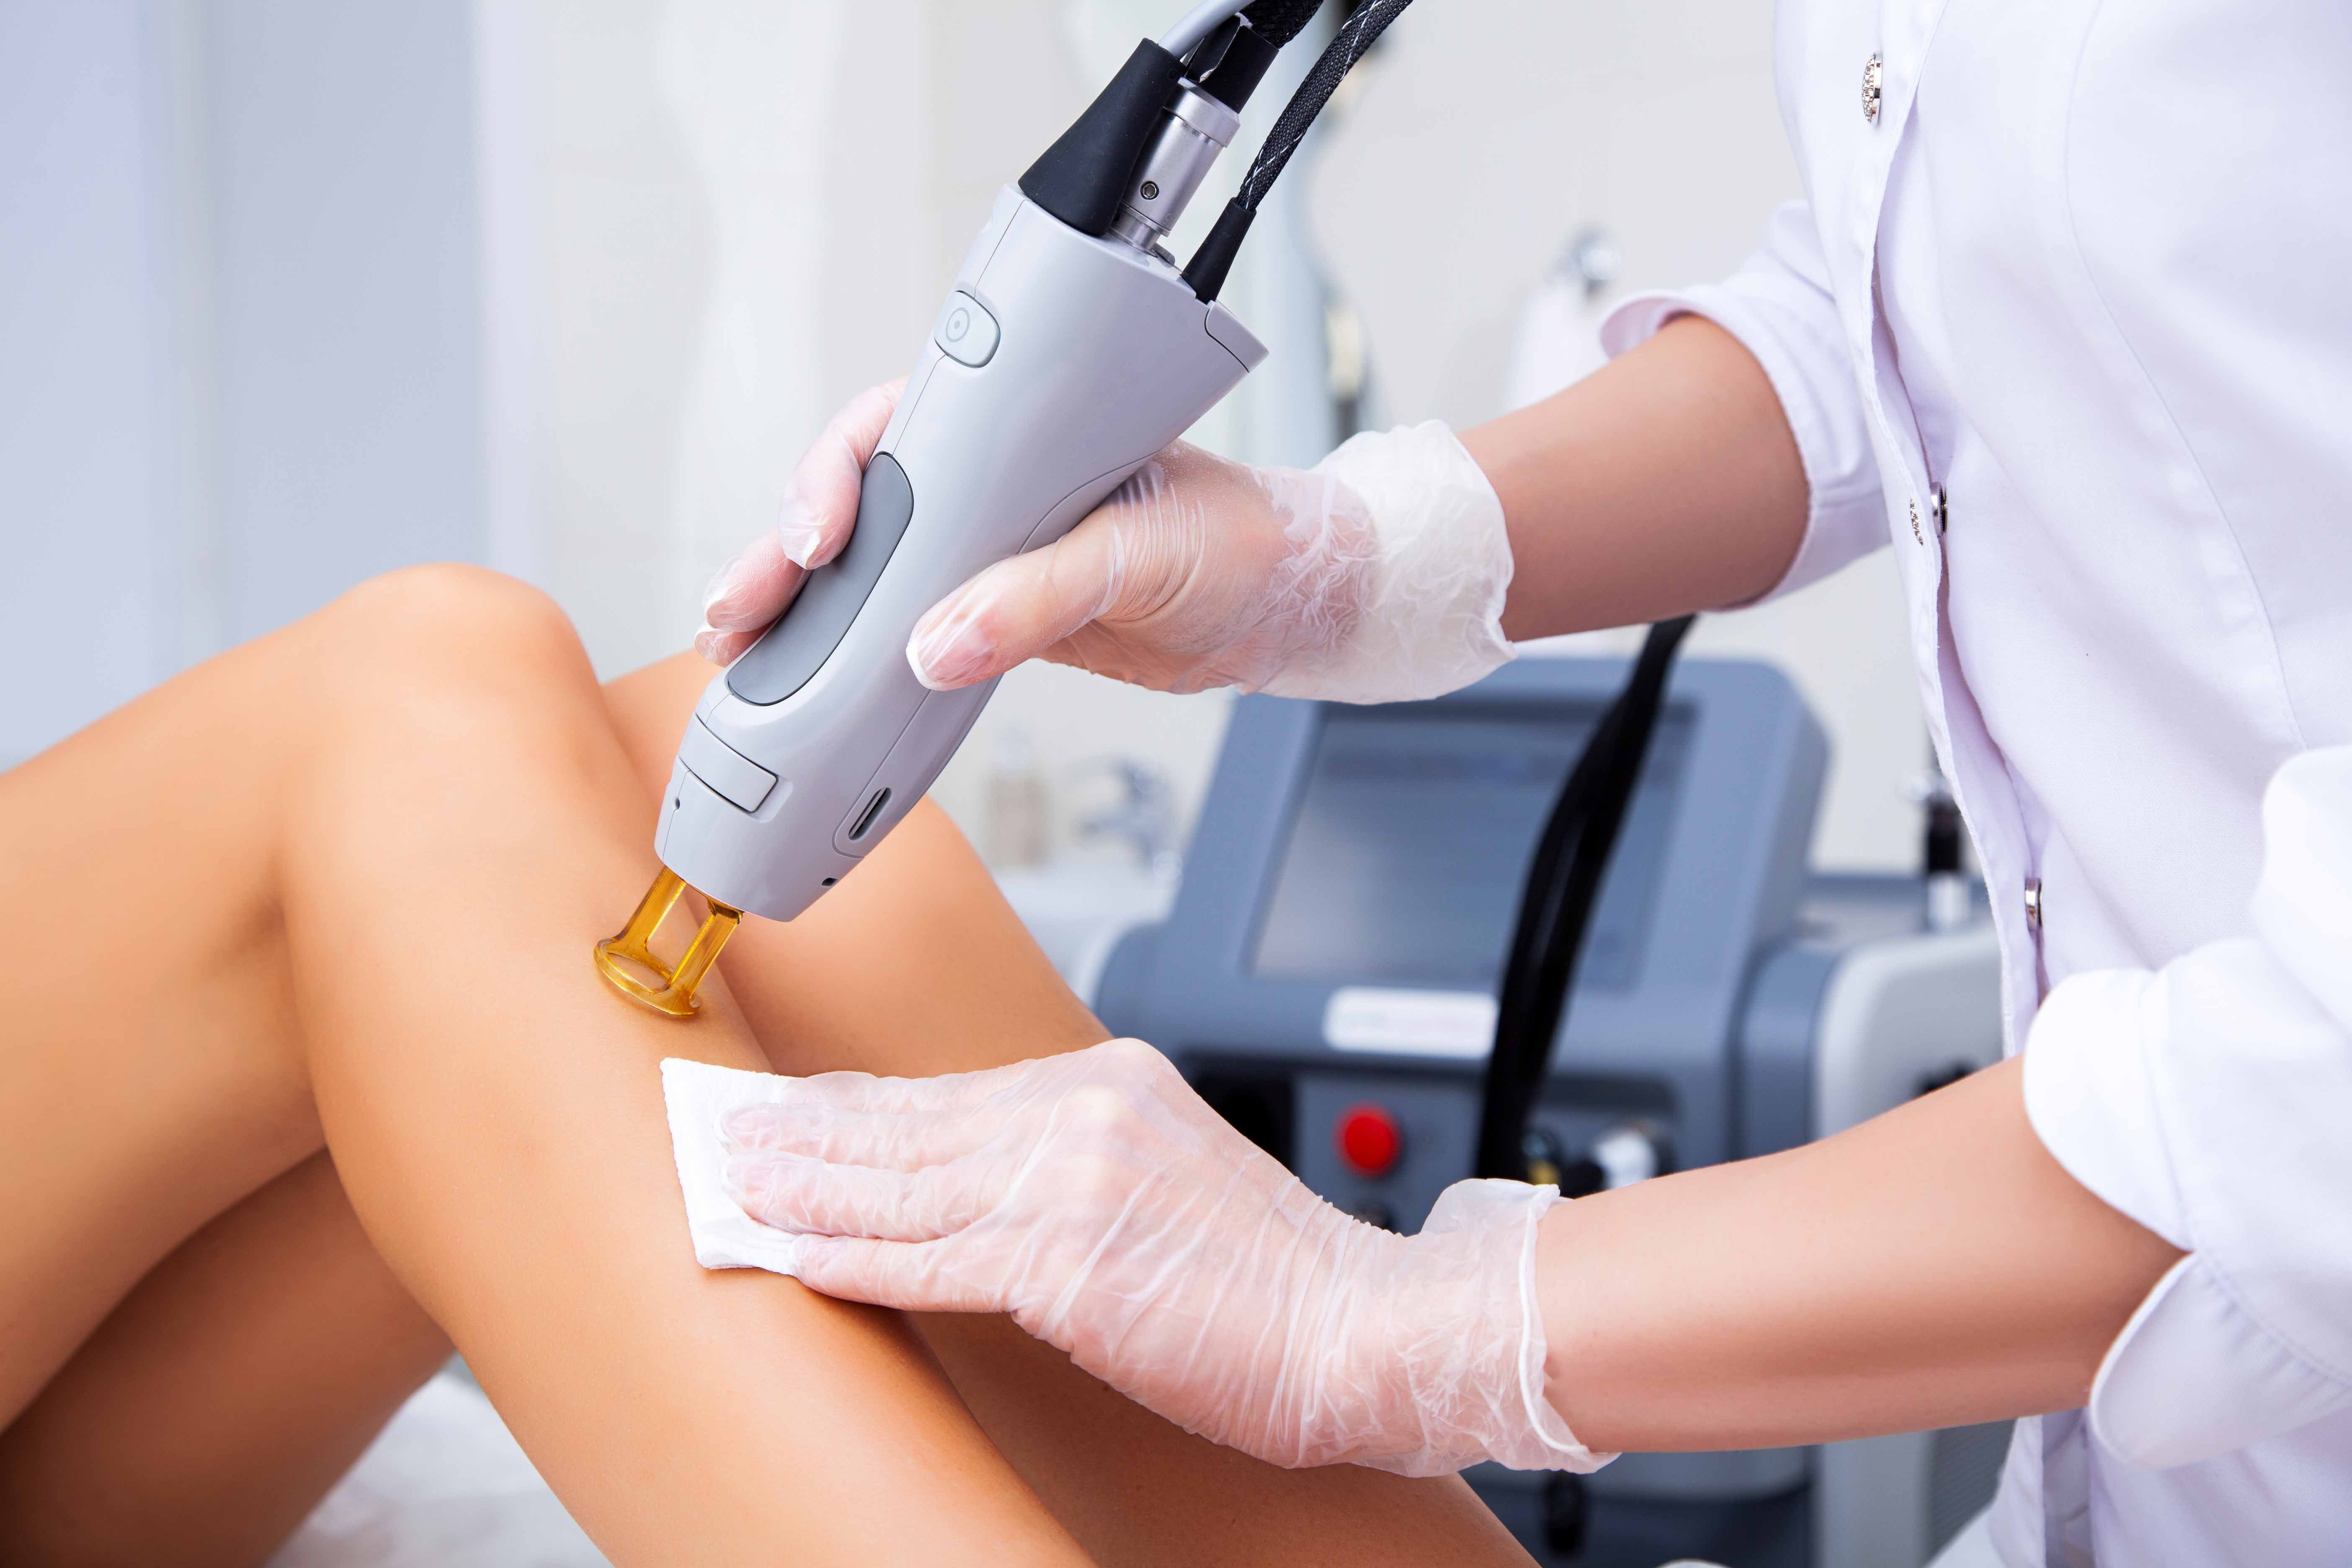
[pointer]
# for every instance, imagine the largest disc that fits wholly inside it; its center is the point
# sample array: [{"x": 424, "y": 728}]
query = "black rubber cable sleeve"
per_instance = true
[
  {"x": 1356, "y": 35},
  {"x": 1207, "y": 270}
]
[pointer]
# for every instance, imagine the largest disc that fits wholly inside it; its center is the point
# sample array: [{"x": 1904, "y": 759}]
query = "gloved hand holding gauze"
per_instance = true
[
  {"x": 1098, "y": 1200},
  {"x": 700, "y": 1097},
  {"x": 1376, "y": 576}
]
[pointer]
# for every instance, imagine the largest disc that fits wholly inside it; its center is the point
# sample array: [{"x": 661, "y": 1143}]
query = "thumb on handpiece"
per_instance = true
[
  {"x": 1018, "y": 608},
  {"x": 820, "y": 510}
]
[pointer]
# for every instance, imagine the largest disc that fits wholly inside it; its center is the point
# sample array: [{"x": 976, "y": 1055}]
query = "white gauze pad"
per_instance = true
[{"x": 700, "y": 1097}]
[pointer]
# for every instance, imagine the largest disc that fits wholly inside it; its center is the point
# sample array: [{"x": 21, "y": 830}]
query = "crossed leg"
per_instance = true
[{"x": 346, "y": 879}]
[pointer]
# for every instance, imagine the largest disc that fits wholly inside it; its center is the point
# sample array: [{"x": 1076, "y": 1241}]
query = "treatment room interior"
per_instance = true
[{"x": 294, "y": 292}]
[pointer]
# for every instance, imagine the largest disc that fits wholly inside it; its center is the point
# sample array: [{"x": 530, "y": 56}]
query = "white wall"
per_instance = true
[
  {"x": 344, "y": 270},
  {"x": 88, "y": 483},
  {"x": 238, "y": 327}
]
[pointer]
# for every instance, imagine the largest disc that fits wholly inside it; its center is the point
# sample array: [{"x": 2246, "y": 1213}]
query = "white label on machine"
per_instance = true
[{"x": 1455, "y": 1023}]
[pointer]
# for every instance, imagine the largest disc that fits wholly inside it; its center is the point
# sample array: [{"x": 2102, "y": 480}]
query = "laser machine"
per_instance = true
[{"x": 1327, "y": 979}]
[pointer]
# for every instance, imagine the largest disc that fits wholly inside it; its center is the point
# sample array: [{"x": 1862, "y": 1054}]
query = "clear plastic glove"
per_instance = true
[
  {"x": 820, "y": 510},
  {"x": 1101, "y": 1202},
  {"x": 1378, "y": 575}
]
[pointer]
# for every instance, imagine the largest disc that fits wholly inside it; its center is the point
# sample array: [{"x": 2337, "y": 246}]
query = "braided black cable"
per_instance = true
[
  {"x": 1279, "y": 21},
  {"x": 1356, "y": 35},
  {"x": 1207, "y": 270}
]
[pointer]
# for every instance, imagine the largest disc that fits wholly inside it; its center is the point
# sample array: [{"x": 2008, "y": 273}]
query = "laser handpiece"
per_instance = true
[{"x": 1069, "y": 351}]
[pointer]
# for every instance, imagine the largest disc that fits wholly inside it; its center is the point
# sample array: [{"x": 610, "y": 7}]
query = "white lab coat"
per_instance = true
[{"x": 2088, "y": 268}]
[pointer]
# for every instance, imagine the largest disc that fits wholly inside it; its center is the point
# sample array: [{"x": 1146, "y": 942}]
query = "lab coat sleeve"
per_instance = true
[
  {"x": 2211, "y": 1101},
  {"x": 1779, "y": 307}
]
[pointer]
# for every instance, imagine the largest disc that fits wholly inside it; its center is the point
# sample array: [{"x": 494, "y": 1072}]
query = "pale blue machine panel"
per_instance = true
[{"x": 1351, "y": 852}]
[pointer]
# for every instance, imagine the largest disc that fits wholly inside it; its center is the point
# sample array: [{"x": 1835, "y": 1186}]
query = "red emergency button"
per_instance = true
[{"x": 1369, "y": 1139}]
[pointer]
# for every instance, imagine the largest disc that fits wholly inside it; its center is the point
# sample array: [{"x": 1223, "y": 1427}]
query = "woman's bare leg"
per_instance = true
[
  {"x": 218, "y": 1404},
  {"x": 345, "y": 878},
  {"x": 915, "y": 965},
  {"x": 957, "y": 984}
]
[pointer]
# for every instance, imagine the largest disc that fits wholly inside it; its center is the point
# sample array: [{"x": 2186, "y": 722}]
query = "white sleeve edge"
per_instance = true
[{"x": 1838, "y": 503}]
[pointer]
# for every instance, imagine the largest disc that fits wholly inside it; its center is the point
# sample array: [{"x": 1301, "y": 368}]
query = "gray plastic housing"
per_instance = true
[
  {"x": 1659, "y": 1042},
  {"x": 1101, "y": 355}
]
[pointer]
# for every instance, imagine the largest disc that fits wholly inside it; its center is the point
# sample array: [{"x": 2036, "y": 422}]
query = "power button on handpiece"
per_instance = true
[{"x": 966, "y": 332}]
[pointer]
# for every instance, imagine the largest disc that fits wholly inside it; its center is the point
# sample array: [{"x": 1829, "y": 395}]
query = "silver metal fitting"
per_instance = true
[{"x": 1196, "y": 130}]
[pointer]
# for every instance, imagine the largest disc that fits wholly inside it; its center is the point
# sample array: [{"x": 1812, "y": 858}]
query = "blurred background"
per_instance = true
[{"x": 293, "y": 291}]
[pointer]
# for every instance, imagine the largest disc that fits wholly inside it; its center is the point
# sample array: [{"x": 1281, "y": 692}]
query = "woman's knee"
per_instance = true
[
  {"x": 446, "y": 615},
  {"x": 442, "y": 689}
]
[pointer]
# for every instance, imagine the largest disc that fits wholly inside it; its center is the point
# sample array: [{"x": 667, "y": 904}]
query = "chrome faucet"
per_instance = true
[{"x": 1145, "y": 817}]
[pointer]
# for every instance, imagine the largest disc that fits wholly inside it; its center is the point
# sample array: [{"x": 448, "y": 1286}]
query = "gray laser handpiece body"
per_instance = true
[{"x": 1060, "y": 364}]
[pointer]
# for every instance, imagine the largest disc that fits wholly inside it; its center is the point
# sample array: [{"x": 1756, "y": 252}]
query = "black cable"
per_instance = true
[
  {"x": 1355, "y": 36},
  {"x": 1207, "y": 270},
  {"x": 1556, "y": 904},
  {"x": 1279, "y": 21}
]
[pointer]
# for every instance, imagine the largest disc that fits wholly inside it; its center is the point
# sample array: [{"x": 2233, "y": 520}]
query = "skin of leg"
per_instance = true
[
  {"x": 191, "y": 1415},
  {"x": 150, "y": 1072},
  {"x": 293, "y": 892},
  {"x": 215, "y": 1407},
  {"x": 915, "y": 965}
]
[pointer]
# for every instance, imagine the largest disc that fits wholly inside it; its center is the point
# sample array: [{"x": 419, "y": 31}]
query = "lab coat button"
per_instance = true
[
  {"x": 1873, "y": 73},
  {"x": 2033, "y": 903},
  {"x": 1938, "y": 510}
]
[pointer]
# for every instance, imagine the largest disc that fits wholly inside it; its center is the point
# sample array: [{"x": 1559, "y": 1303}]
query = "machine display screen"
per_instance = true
[{"x": 1411, "y": 840}]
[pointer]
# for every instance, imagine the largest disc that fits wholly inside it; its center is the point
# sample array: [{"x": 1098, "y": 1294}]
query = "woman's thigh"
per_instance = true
[
  {"x": 212, "y": 1409},
  {"x": 150, "y": 1071}
]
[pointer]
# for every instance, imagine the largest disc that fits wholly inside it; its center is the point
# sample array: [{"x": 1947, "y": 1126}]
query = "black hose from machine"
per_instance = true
[
  {"x": 1556, "y": 904},
  {"x": 1207, "y": 270}
]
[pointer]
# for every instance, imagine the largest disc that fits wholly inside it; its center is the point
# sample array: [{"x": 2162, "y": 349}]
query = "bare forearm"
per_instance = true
[
  {"x": 1667, "y": 482},
  {"x": 1931, "y": 1266}
]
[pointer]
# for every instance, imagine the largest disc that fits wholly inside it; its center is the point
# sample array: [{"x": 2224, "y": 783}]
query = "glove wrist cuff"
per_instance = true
[
  {"x": 1433, "y": 619},
  {"x": 1466, "y": 1341}
]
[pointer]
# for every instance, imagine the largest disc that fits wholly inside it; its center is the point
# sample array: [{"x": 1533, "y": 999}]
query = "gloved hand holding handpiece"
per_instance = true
[
  {"x": 1376, "y": 576},
  {"x": 1096, "y": 1199}
]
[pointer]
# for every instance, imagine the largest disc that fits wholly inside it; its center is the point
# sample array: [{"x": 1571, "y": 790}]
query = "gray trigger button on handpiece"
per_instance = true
[{"x": 967, "y": 333}]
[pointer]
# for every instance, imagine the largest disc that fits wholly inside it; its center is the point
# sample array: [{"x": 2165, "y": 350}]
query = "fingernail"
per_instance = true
[
  {"x": 949, "y": 649},
  {"x": 705, "y": 643},
  {"x": 745, "y": 1124},
  {"x": 739, "y": 1180},
  {"x": 799, "y": 532},
  {"x": 722, "y": 600}
]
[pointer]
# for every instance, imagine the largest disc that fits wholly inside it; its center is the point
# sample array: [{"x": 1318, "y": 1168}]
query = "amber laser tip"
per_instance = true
[{"x": 626, "y": 960}]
